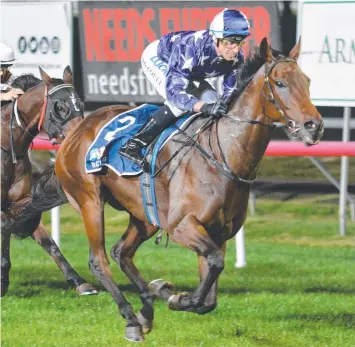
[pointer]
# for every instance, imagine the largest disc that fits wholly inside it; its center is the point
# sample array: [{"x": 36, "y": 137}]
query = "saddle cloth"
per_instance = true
[{"x": 104, "y": 149}]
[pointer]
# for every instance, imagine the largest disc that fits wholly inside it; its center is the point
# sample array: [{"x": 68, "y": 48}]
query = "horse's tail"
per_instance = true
[{"x": 47, "y": 193}]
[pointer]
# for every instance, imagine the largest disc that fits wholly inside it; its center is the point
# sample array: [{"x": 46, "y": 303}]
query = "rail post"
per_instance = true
[
  {"x": 344, "y": 174},
  {"x": 240, "y": 249}
]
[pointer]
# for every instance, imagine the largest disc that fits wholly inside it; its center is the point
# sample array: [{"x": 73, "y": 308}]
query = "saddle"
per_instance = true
[{"x": 102, "y": 153}]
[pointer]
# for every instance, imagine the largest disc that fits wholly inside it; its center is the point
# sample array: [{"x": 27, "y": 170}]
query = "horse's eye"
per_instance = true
[
  {"x": 280, "y": 84},
  {"x": 60, "y": 107}
]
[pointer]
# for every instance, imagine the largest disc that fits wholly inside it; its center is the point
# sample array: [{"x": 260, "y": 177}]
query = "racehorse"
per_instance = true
[
  {"x": 54, "y": 106},
  {"x": 202, "y": 194}
]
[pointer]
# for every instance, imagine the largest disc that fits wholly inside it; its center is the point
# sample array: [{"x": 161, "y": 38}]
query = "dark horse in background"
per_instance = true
[
  {"x": 202, "y": 193},
  {"x": 54, "y": 106}
]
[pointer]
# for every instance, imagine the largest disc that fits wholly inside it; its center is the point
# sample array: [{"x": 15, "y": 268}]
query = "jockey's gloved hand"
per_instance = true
[{"x": 218, "y": 109}]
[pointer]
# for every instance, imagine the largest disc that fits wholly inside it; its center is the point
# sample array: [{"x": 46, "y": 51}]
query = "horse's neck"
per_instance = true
[
  {"x": 245, "y": 143},
  {"x": 29, "y": 106}
]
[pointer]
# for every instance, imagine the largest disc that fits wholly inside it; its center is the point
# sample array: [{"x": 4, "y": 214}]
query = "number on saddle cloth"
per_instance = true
[
  {"x": 103, "y": 150},
  {"x": 113, "y": 135}
]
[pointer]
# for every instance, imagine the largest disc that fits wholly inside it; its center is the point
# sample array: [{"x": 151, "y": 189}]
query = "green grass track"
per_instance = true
[{"x": 298, "y": 288}]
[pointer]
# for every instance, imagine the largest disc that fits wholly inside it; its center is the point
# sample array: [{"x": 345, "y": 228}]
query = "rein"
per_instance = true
[
  {"x": 224, "y": 169},
  {"x": 44, "y": 108},
  {"x": 184, "y": 144},
  {"x": 15, "y": 114}
]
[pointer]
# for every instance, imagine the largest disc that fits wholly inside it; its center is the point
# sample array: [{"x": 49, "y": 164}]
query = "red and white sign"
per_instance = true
[{"x": 113, "y": 36}]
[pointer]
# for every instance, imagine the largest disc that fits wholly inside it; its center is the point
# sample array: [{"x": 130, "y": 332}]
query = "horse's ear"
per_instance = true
[
  {"x": 295, "y": 51},
  {"x": 265, "y": 50},
  {"x": 68, "y": 75},
  {"x": 45, "y": 77}
]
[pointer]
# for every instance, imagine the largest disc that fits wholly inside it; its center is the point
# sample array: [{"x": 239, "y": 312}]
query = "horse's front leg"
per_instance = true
[
  {"x": 5, "y": 260},
  {"x": 211, "y": 299},
  {"x": 41, "y": 236},
  {"x": 123, "y": 252},
  {"x": 192, "y": 234}
]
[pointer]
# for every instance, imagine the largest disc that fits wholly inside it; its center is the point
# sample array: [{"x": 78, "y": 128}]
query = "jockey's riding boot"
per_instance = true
[{"x": 159, "y": 121}]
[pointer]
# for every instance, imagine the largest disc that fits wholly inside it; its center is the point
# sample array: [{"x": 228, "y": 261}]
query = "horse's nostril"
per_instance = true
[
  {"x": 311, "y": 125},
  {"x": 291, "y": 124}
]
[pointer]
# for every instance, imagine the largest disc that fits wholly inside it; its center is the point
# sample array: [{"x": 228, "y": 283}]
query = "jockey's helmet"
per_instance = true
[
  {"x": 7, "y": 55},
  {"x": 231, "y": 24}
]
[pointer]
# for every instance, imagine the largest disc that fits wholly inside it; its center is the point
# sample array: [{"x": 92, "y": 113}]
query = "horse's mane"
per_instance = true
[
  {"x": 25, "y": 82},
  {"x": 248, "y": 69}
]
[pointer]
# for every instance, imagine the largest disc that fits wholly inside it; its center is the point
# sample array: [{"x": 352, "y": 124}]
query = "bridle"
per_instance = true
[
  {"x": 270, "y": 98},
  {"x": 48, "y": 95},
  {"x": 289, "y": 124}
]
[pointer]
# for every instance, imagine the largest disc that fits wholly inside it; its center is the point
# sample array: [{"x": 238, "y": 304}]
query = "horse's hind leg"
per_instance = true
[
  {"x": 92, "y": 212},
  {"x": 5, "y": 262},
  {"x": 122, "y": 252},
  {"x": 192, "y": 234},
  {"x": 41, "y": 236}
]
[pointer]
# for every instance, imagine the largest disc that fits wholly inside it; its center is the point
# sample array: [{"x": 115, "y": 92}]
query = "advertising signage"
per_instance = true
[
  {"x": 113, "y": 36},
  {"x": 330, "y": 51},
  {"x": 42, "y": 38}
]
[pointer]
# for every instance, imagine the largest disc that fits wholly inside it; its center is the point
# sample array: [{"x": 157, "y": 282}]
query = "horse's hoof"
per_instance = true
[
  {"x": 180, "y": 302},
  {"x": 86, "y": 289},
  {"x": 156, "y": 286},
  {"x": 134, "y": 334},
  {"x": 147, "y": 325},
  {"x": 173, "y": 302}
]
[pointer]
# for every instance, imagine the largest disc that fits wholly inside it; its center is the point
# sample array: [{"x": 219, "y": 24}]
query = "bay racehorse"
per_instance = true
[
  {"x": 202, "y": 194},
  {"x": 51, "y": 105}
]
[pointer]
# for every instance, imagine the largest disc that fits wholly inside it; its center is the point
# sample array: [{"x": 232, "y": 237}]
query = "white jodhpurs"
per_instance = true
[{"x": 155, "y": 69}]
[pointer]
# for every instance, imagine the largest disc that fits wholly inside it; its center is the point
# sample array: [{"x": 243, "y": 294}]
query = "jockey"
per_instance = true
[
  {"x": 177, "y": 66},
  {"x": 7, "y": 59}
]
